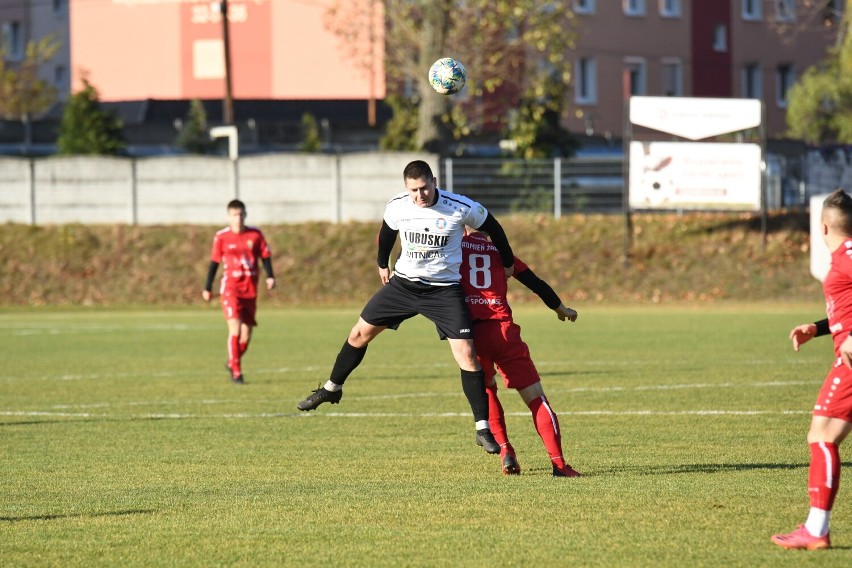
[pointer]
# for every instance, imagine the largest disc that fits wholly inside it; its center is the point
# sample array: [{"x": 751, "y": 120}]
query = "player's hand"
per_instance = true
[
  {"x": 846, "y": 352},
  {"x": 270, "y": 283},
  {"x": 206, "y": 295},
  {"x": 509, "y": 270},
  {"x": 801, "y": 334},
  {"x": 563, "y": 313},
  {"x": 384, "y": 274}
]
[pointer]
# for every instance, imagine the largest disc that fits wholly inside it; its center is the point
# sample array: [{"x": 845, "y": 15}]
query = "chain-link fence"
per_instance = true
[
  {"x": 583, "y": 184},
  {"x": 558, "y": 186}
]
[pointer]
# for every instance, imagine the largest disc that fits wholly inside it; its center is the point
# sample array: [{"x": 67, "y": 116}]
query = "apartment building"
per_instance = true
[
  {"x": 22, "y": 21},
  {"x": 693, "y": 48},
  {"x": 283, "y": 50}
]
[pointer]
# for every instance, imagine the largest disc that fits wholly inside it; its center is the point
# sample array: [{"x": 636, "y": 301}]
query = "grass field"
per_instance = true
[{"x": 124, "y": 443}]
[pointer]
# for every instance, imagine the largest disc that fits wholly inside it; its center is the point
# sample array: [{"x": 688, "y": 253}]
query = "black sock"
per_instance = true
[
  {"x": 348, "y": 358},
  {"x": 473, "y": 385}
]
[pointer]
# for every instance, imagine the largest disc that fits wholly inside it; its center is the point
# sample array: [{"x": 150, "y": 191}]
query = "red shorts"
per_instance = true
[
  {"x": 835, "y": 396},
  {"x": 499, "y": 343},
  {"x": 242, "y": 309}
]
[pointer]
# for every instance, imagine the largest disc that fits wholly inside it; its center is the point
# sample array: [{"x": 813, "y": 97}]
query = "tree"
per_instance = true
[
  {"x": 194, "y": 136},
  {"x": 512, "y": 49},
  {"x": 22, "y": 94},
  {"x": 311, "y": 140},
  {"x": 86, "y": 128},
  {"x": 819, "y": 107}
]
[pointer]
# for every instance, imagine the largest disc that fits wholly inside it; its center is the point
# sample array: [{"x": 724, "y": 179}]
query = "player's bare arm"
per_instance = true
[
  {"x": 803, "y": 333},
  {"x": 846, "y": 351},
  {"x": 565, "y": 313}
]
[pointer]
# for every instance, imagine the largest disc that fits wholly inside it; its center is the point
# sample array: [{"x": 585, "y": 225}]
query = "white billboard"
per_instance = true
[
  {"x": 820, "y": 256},
  {"x": 695, "y": 118},
  {"x": 694, "y": 175}
]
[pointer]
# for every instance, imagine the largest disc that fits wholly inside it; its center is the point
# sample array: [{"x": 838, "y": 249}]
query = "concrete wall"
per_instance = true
[{"x": 279, "y": 188}]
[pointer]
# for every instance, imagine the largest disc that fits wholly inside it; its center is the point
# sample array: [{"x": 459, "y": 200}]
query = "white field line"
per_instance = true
[
  {"x": 52, "y": 330},
  {"x": 244, "y": 415},
  {"x": 324, "y": 369}
]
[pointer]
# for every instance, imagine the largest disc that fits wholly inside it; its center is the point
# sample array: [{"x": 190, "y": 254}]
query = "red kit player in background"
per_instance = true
[
  {"x": 832, "y": 415},
  {"x": 497, "y": 340},
  {"x": 238, "y": 248}
]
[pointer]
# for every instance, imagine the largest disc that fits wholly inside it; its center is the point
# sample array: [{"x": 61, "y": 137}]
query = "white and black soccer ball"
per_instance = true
[{"x": 447, "y": 76}]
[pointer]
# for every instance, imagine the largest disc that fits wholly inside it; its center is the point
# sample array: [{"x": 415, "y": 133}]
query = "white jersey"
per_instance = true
[{"x": 431, "y": 236}]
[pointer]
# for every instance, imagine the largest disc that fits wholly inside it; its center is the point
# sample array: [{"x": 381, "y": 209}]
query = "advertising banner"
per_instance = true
[{"x": 695, "y": 175}]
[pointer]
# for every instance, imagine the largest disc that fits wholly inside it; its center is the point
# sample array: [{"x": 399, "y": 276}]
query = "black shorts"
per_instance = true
[{"x": 401, "y": 299}]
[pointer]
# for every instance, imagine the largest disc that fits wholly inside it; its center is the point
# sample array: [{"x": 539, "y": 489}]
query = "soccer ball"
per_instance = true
[{"x": 447, "y": 76}]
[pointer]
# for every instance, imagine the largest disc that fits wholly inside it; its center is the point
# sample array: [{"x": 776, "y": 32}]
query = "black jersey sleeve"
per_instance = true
[
  {"x": 211, "y": 274},
  {"x": 529, "y": 279},
  {"x": 498, "y": 237},
  {"x": 267, "y": 266},
  {"x": 387, "y": 238}
]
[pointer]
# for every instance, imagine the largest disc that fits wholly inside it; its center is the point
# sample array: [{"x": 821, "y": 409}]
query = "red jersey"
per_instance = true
[
  {"x": 484, "y": 279},
  {"x": 239, "y": 254},
  {"x": 838, "y": 294}
]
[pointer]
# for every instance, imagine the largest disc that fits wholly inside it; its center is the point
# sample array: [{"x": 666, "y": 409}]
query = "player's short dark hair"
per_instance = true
[
  {"x": 841, "y": 204},
  {"x": 236, "y": 204},
  {"x": 416, "y": 170}
]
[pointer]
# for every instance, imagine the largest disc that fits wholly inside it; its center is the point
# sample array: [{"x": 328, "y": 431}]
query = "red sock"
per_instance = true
[
  {"x": 547, "y": 426},
  {"x": 823, "y": 475},
  {"x": 497, "y": 420},
  {"x": 234, "y": 354},
  {"x": 243, "y": 348}
]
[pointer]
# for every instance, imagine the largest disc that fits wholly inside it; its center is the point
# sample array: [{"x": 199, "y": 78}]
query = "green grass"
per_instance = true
[{"x": 124, "y": 444}]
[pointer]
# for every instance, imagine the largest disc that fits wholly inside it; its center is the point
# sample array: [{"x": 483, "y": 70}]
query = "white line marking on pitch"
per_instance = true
[{"x": 241, "y": 415}]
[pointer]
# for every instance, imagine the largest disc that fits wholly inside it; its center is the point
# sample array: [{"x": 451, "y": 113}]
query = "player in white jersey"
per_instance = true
[{"x": 430, "y": 223}]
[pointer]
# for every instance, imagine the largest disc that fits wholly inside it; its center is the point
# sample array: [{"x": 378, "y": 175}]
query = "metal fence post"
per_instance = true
[
  {"x": 134, "y": 194},
  {"x": 557, "y": 188},
  {"x": 32, "y": 184},
  {"x": 448, "y": 175}
]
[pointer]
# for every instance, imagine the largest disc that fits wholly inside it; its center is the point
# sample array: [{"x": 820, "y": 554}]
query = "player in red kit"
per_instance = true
[
  {"x": 238, "y": 248},
  {"x": 498, "y": 343},
  {"x": 832, "y": 414}
]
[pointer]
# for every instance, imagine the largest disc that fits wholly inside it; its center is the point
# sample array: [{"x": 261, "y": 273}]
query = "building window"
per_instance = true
[
  {"x": 832, "y": 12},
  {"x": 671, "y": 77},
  {"x": 752, "y": 10},
  {"x": 785, "y": 10},
  {"x": 720, "y": 38},
  {"x": 634, "y": 7},
  {"x": 634, "y": 69},
  {"x": 785, "y": 76},
  {"x": 752, "y": 79},
  {"x": 670, "y": 8},
  {"x": 586, "y": 88},
  {"x": 60, "y": 78},
  {"x": 584, "y": 6},
  {"x": 12, "y": 39}
]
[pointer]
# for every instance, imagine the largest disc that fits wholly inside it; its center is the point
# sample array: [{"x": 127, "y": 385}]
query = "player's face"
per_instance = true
[
  {"x": 236, "y": 219},
  {"x": 421, "y": 191}
]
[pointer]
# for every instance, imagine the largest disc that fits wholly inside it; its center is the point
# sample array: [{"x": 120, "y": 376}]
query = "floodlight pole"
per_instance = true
[
  {"x": 627, "y": 135},
  {"x": 228, "y": 103}
]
